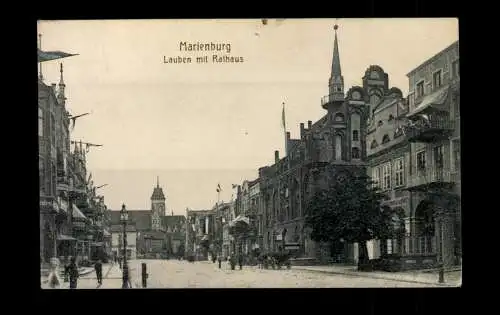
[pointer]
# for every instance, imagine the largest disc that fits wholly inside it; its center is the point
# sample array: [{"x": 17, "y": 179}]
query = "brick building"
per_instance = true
[
  {"x": 334, "y": 143},
  {"x": 201, "y": 235}
]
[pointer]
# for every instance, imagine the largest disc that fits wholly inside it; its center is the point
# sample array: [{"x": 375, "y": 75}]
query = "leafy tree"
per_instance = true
[{"x": 349, "y": 209}]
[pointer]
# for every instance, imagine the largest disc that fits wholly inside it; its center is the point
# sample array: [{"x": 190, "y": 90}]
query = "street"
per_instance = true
[{"x": 182, "y": 274}]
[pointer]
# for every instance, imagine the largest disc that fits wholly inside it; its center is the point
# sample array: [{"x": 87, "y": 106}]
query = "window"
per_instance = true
[
  {"x": 355, "y": 153},
  {"x": 391, "y": 118},
  {"x": 374, "y": 144},
  {"x": 40, "y": 122},
  {"x": 339, "y": 117},
  {"x": 399, "y": 170},
  {"x": 421, "y": 161},
  {"x": 376, "y": 176},
  {"x": 438, "y": 156},
  {"x": 53, "y": 129},
  {"x": 436, "y": 79},
  {"x": 456, "y": 154},
  {"x": 386, "y": 173},
  {"x": 374, "y": 99},
  {"x": 355, "y": 135},
  {"x": 420, "y": 89},
  {"x": 386, "y": 139},
  {"x": 380, "y": 123},
  {"x": 455, "y": 69},
  {"x": 411, "y": 100},
  {"x": 338, "y": 147},
  {"x": 41, "y": 173}
]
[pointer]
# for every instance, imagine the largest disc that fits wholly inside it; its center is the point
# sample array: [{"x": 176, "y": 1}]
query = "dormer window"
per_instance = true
[
  {"x": 380, "y": 123},
  {"x": 374, "y": 144},
  {"x": 386, "y": 139},
  {"x": 391, "y": 118}
]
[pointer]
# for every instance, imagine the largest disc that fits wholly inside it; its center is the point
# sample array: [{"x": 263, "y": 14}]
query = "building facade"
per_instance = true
[
  {"x": 200, "y": 233},
  {"x": 65, "y": 230},
  {"x": 334, "y": 143}
]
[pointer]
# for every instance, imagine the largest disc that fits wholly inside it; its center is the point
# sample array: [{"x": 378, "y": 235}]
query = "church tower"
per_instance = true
[
  {"x": 336, "y": 81},
  {"x": 157, "y": 206}
]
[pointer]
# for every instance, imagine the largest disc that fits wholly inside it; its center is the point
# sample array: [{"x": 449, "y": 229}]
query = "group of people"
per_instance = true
[{"x": 232, "y": 259}]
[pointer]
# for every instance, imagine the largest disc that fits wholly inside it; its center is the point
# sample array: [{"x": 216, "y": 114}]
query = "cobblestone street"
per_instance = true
[{"x": 182, "y": 274}]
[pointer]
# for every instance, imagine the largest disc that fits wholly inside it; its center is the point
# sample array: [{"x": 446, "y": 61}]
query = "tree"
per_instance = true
[{"x": 349, "y": 209}]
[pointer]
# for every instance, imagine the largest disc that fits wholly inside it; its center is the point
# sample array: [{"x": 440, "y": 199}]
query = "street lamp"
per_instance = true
[{"x": 124, "y": 219}]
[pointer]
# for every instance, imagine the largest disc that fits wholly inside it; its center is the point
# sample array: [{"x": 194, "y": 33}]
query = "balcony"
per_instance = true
[
  {"x": 331, "y": 98},
  {"x": 431, "y": 178},
  {"x": 430, "y": 128}
]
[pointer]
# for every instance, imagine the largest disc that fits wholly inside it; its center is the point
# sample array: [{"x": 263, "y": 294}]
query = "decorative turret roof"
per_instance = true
[
  {"x": 157, "y": 191},
  {"x": 336, "y": 70}
]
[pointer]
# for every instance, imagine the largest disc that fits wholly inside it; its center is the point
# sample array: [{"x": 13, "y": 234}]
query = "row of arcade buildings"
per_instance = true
[
  {"x": 410, "y": 147},
  {"x": 74, "y": 220}
]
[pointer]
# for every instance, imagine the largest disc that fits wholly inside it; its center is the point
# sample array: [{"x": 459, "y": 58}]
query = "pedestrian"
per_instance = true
[
  {"x": 54, "y": 281},
  {"x": 98, "y": 271},
  {"x": 220, "y": 261},
  {"x": 240, "y": 261},
  {"x": 120, "y": 261},
  {"x": 73, "y": 273}
]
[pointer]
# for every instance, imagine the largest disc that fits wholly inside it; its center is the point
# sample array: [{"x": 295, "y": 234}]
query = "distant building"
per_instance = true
[
  {"x": 200, "y": 233},
  {"x": 158, "y": 235}
]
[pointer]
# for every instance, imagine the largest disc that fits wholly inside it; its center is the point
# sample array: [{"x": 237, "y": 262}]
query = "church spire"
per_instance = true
[
  {"x": 336, "y": 71},
  {"x": 157, "y": 181},
  {"x": 62, "y": 86},
  {"x": 336, "y": 82}
]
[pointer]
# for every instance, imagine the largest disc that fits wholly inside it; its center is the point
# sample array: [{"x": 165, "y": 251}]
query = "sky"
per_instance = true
[{"x": 199, "y": 124}]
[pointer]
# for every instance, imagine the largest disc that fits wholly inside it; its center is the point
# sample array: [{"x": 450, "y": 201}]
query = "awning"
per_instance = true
[
  {"x": 435, "y": 100},
  {"x": 98, "y": 244},
  {"x": 77, "y": 214},
  {"x": 240, "y": 218},
  {"x": 62, "y": 237},
  {"x": 106, "y": 233}
]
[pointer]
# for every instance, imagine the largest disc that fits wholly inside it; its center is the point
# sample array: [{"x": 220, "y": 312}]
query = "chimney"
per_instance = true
[
  {"x": 309, "y": 124},
  {"x": 276, "y": 156},
  {"x": 302, "y": 131}
]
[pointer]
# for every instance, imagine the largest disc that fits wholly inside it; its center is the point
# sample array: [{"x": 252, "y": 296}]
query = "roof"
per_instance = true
[
  {"x": 141, "y": 218},
  {"x": 386, "y": 102},
  {"x": 173, "y": 220},
  {"x": 157, "y": 194}
]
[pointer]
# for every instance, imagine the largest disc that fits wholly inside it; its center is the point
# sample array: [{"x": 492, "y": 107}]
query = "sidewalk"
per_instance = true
[
  {"x": 87, "y": 278},
  {"x": 452, "y": 278}
]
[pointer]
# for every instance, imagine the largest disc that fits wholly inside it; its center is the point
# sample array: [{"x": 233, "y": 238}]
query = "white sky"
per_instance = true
[{"x": 196, "y": 125}]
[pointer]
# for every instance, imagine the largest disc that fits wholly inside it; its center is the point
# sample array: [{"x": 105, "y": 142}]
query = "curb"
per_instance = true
[{"x": 378, "y": 277}]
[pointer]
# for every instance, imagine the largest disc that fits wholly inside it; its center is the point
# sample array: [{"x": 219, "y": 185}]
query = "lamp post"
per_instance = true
[{"x": 124, "y": 219}]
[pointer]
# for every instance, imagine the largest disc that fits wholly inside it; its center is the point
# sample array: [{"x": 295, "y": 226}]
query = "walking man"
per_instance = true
[
  {"x": 240, "y": 261},
  {"x": 98, "y": 271},
  {"x": 73, "y": 273}
]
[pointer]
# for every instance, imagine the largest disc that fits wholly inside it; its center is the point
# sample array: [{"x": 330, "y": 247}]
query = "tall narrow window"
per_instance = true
[
  {"x": 438, "y": 156},
  {"x": 399, "y": 172},
  {"x": 338, "y": 147},
  {"x": 420, "y": 89},
  {"x": 421, "y": 163},
  {"x": 455, "y": 69},
  {"x": 355, "y": 135},
  {"x": 376, "y": 176},
  {"x": 386, "y": 173},
  {"x": 41, "y": 173},
  {"x": 40, "y": 122},
  {"x": 456, "y": 154},
  {"x": 436, "y": 79}
]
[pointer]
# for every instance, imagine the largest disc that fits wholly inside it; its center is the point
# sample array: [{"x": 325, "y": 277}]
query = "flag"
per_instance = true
[
  {"x": 283, "y": 117},
  {"x": 51, "y": 55}
]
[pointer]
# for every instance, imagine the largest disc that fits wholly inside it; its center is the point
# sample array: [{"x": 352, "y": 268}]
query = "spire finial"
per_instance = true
[
  {"x": 61, "y": 81},
  {"x": 158, "y": 181},
  {"x": 335, "y": 27}
]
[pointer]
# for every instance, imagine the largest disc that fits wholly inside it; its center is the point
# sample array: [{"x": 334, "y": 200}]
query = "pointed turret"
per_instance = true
[
  {"x": 61, "y": 96},
  {"x": 157, "y": 191},
  {"x": 336, "y": 81}
]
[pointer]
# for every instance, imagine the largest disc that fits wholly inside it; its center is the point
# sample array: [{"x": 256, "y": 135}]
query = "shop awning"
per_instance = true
[
  {"x": 436, "y": 100},
  {"x": 97, "y": 244},
  {"x": 62, "y": 237},
  {"x": 241, "y": 219},
  {"x": 77, "y": 214}
]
